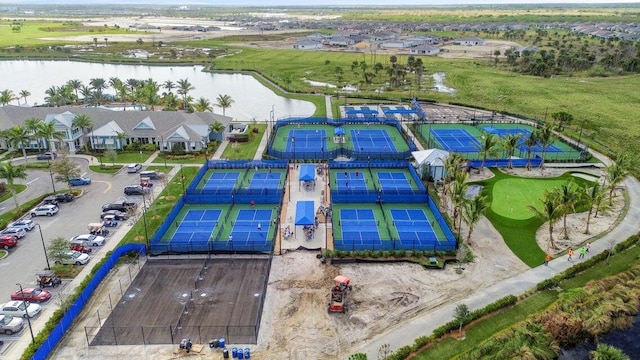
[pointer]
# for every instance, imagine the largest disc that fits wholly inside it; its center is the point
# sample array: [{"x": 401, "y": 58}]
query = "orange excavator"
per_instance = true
[{"x": 339, "y": 294}]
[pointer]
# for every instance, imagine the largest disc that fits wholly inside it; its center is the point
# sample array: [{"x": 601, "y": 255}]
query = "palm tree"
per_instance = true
[
  {"x": 607, "y": 352},
  {"x": 31, "y": 126},
  {"x": 10, "y": 172},
  {"x": 203, "y": 105},
  {"x": 530, "y": 141},
  {"x": 169, "y": 85},
  {"x": 24, "y": 94},
  {"x": 98, "y": 84},
  {"x": 75, "y": 85},
  {"x": 452, "y": 166},
  {"x": 551, "y": 212},
  {"x": 83, "y": 121},
  {"x": 86, "y": 93},
  {"x": 545, "y": 138},
  {"x": 149, "y": 94},
  {"x": 216, "y": 127},
  {"x": 120, "y": 135},
  {"x": 18, "y": 137},
  {"x": 170, "y": 101},
  {"x": 616, "y": 173},
  {"x": 568, "y": 198},
  {"x": 224, "y": 101},
  {"x": 47, "y": 130},
  {"x": 488, "y": 147},
  {"x": 6, "y": 96},
  {"x": 472, "y": 211},
  {"x": 184, "y": 86},
  {"x": 591, "y": 197},
  {"x": 458, "y": 191},
  {"x": 510, "y": 144}
]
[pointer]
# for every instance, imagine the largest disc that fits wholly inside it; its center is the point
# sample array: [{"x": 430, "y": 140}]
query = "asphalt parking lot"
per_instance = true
[{"x": 28, "y": 257}]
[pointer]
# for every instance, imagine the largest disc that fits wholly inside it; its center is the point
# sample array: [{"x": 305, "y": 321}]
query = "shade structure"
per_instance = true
[
  {"x": 307, "y": 172},
  {"x": 305, "y": 212},
  {"x": 339, "y": 131}
]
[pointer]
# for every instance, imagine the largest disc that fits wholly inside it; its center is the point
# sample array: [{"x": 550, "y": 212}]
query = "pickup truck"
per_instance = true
[{"x": 123, "y": 206}]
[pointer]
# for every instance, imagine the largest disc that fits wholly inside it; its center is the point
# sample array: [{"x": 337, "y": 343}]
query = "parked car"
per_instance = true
[
  {"x": 79, "y": 181},
  {"x": 151, "y": 174},
  {"x": 73, "y": 258},
  {"x": 82, "y": 247},
  {"x": 134, "y": 168},
  {"x": 93, "y": 240},
  {"x": 10, "y": 325},
  {"x": 47, "y": 156},
  {"x": 65, "y": 197},
  {"x": 135, "y": 190},
  {"x": 31, "y": 295},
  {"x": 50, "y": 200},
  {"x": 44, "y": 210},
  {"x": 117, "y": 215},
  {"x": 8, "y": 241},
  {"x": 20, "y": 308},
  {"x": 17, "y": 232},
  {"x": 119, "y": 205},
  {"x": 26, "y": 224}
]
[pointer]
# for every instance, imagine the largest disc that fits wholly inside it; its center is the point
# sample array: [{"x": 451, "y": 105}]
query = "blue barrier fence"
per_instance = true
[
  {"x": 168, "y": 221},
  {"x": 503, "y": 163},
  {"x": 210, "y": 247},
  {"x": 379, "y": 197},
  {"x": 74, "y": 310},
  {"x": 383, "y": 245},
  {"x": 451, "y": 238}
]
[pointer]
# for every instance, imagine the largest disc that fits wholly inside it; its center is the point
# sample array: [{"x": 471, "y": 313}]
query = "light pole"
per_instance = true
[
  {"x": 24, "y": 302},
  {"x": 164, "y": 155},
  {"x": 182, "y": 179},
  {"x": 144, "y": 218},
  {"x": 53, "y": 183},
  {"x": 293, "y": 142},
  {"x": 44, "y": 247}
]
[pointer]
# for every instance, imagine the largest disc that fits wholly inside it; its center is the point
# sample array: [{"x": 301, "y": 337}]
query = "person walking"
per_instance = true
[
  {"x": 259, "y": 227},
  {"x": 583, "y": 252},
  {"x": 547, "y": 259},
  {"x": 588, "y": 247},
  {"x": 570, "y": 254}
]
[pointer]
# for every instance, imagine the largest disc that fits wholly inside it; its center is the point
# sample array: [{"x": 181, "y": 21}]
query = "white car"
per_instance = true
[
  {"x": 93, "y": 240},
  {"x": 17, "y": 308},
  {"x": 44, "y": 210},
  {"x": 74, "y": 258},
  {"x": 134, "y": 168},
  {"x": 10, "y": 325},
  {"x": 25, "y": 224},
  {"x": 17, "y": 232}
]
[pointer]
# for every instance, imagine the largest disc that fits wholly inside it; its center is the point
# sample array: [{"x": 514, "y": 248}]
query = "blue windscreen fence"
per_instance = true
[
  {"x": 503, "y": 163},
  {"x": 66, "y": 322}
]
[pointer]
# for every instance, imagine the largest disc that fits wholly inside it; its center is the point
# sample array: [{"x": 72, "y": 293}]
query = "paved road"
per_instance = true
[
  {"x": 24, "y": 260},
  {"x": 424, "y": 324}
]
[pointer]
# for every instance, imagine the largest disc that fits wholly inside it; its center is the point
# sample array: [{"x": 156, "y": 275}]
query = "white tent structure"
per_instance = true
[{"x": 433, "y": 159}]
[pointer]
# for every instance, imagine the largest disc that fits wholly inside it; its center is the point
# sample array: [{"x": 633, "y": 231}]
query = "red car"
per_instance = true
[
  {"x": 31, "y": 295},
  {"x": 81, "y": 248},
  {"x": 8, "y": 241}
]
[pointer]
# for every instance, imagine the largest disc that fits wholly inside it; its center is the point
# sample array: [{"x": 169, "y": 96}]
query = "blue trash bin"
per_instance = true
[
  {"x": 247, "y": 353},
  {"x": 234, "y": 353},
  {"x": 221, "y": 343}
]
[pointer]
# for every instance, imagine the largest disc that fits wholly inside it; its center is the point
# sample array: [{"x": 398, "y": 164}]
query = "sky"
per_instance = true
[{"x": 317, "y": 3}]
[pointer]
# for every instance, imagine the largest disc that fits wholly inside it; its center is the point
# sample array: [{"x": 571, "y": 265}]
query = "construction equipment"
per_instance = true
[{"x": 339, "y": 294}]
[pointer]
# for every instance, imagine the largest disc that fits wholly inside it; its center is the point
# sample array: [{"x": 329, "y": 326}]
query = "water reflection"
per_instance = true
[{"x": 251, "y": 99}]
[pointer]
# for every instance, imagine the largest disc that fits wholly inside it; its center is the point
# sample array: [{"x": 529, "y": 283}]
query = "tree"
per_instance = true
[
  {"x": 224, "y": 101},
  {"x": 458, "y": 192},
  {"x": 607, "y": 352},
  {"x": 615, "y": 174},
  {"x": 530, "y": 141},
  {"x": 31, "y": 125},
  {"x": 6, "y": 96},
  {"x": 551, "y": 211},
  {"x": 488, "y": 147},
  {"x": 203, "y": 105},
  {"x": 98, "y": 84},
  {"x": 75, "y": 85},
  {"x": 47, "y": 130},
  {"x": 460, "y": 314},
  {"x": 568, "y": 199},
  {"x": 65, "y": 169},
  {"x": 216, "y": 127},
  {"x": 184, "y": 86},
  {"x": 58, "y": 250},
  {"x": 111, "y": 155},
  {"x": 83, "y": 121},
  {"x": 545, "y": 138},
  {"x": 24, "y": 94},
  {"x": 452, "y": 166},
  {"x": 562, "y": 118},
  {"x": 18, "y": 137},
  {"x": 510, "y": 144},
  {"x": 10, "y": 172},
  {"x": 169, "y": 85},
  {"x": 472, "y": 211}
]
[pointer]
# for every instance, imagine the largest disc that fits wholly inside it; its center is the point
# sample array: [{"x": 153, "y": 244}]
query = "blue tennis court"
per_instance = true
[
  {"x": 197, "y": 225},
  {"x": 265, "y": 180},
  {"x": 372, "y": 140},
  {"x": 251, "y": 226},
  {"x": 301, "y": 140},
  {"x": 351, "y": 180},
  {"x": 221, "y": 181},
  {"x": 524, "y": 134},
  {"x": 412, "y": 225},
  {"x": 394, "y": 181},
  {"x": 456, "y": 140},
  {"x": 359, "y": 225}
]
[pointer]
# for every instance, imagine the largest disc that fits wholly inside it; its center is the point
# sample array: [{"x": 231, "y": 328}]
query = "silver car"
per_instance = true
[
  {"x": 17, "y": 232},
  {"x": 17, "y": 308},
  {"x": 44, "y": 210},
  {"x": 25, "y": 224},
  {"x": 10, "y": 325},
  {"x": 74, "y": 258},
  {"x": 93, "y": 240}
]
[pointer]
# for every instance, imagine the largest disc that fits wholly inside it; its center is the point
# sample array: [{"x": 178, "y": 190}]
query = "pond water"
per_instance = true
[
  {"x": 626, "y": 340},
  {"x": 251, "y": 99}
]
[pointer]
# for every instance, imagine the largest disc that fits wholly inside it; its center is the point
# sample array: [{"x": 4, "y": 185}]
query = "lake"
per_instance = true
[{"x": 251, "y": 99}]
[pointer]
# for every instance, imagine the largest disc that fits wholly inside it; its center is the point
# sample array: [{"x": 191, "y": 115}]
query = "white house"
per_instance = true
[
  {"x": 433, "y": 160},
  {"x": 307, "y": 44},
  {"x": 469, "y": 41},
  {"x": 424, "y": 50}
]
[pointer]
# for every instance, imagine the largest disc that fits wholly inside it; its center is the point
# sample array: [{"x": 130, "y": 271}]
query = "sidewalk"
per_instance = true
[{"x": 424, "y": 324}]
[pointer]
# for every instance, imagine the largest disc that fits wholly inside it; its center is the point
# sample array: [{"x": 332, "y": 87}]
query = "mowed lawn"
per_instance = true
[
  {"x": 512, "y": 196},
  {"x": 32, "y": 32}
]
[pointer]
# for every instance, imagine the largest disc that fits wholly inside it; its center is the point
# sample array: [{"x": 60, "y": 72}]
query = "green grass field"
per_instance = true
[
  {"x": 511, "y": 196},
  {"x": 35, "y": 32}
]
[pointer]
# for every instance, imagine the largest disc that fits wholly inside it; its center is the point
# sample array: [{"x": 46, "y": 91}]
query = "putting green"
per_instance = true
[{"x": 512, "y": 196}]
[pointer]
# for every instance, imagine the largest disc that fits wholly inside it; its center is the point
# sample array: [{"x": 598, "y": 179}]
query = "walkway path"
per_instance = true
[{"x": 405, "y": 333}]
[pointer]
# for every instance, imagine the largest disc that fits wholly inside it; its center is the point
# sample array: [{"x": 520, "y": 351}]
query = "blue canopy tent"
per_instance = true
[
  {"x": 307, "y": 176},
  {"x": 305, "y": 216},
  {"x": 339, "y": 131}
]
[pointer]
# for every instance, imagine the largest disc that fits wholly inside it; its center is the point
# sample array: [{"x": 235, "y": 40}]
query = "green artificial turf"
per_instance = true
[{"x": 511, "y": 196}]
